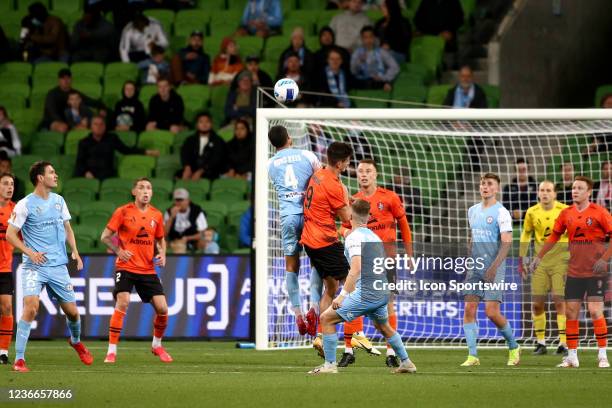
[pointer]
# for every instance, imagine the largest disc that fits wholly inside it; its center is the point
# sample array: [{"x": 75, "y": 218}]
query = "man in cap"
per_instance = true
[{"x": 184, "y": 223}]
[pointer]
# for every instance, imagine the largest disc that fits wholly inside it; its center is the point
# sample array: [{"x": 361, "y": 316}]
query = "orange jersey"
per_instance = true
[
  {"x": 137, "y": 231},
  {"x": 587, "y": 231},
  {"x": 6, "y": 249},
  {"x": 385, "y": 208},
  {"x": 325, "y": 195}
]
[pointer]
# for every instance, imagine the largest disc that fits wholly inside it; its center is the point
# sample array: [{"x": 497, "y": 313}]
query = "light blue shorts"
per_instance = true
[
  {"x": 55, "y": 278},
  {"x": 485, "y": 295},
  {"x": 354, "y": 306},
  {"x": 291, "y": 232}
]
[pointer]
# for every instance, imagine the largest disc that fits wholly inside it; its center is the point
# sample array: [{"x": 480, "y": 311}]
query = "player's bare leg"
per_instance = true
[
  {"x": 30, "y": 310},
  {"x": 600, "y": 328},
  {"x": 572, "y": 310},
  {"x": 470, "y": 328},
  {"x": 116, "y": 324},
  {"x": 160, "y": 323},
  {"x": 6, "y": 326},
  {"x": 493, "y": 312},
  {"x": 73, "y": 320},
  {"x": 292, "y": 270}
]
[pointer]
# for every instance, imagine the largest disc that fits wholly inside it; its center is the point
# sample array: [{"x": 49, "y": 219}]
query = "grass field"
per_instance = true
[{"x": 218, "y": 375}]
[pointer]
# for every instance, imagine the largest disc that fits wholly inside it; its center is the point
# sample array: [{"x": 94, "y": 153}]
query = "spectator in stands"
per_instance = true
[
  {"x": 166, "y": 108},
  {"x": 241, "y": 151},
  {"x": 76, "y": 114},
  {"x": 191, "y": 65},
  {"x": 602, "y": 190},
  {"x": 226, "y": 65},
  {"x": 373, "y": 67},
  {"x": 335, "y": 81},
  {"x": 466, "y": 94},
  {"x": 209, "y": 245},
  {"x": 10, "y": 143},
  {"x": 564, "y": 189},
  {"x": 184, "y": 223},
  {"x": 204, "y": 154},
  {"x": 327, "y": 42},
  {"x": 348, "y": 25},
  {"x": 298, "y": 48},
  {"x": 603, "y": 142},
  {"x": 96, "y": 153},
  {"x": 155, "y": 67},
  {"x": 6, "y": 166},
  {"x": 394, "y": 31},
  {"x": 138, "y": 38},
  {"x": 129, "y": 111},
  {"x": 43, "y": 36},
  {"x": 259, "y": 77},
  {"x": 362, "y": 149},
  {"x": 440, "y": 17},
  {"x": 293, "y": 70},
  {"x": 245, "y": 235},
  {"x": 93, "y": 38},
  {"x": 410, "y": 195},
  {"x": 522, "y": 192},
  {"x": 56, "y": 100},
  {"x": 261, "y": 18},
  {"x": 242, "y": 101}
]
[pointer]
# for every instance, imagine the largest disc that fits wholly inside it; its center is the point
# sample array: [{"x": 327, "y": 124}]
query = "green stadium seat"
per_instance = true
[
  {"x": 187, "y": 21},
  {"x": 177, "y": 42},
  {"x": 417, "y": 73},
  {"x": 15, "y": 72},
  {"x": 22, "y": 5},
  {"x": 64, "y": 166},
  {"x": 437, "y": 93},
  {"x": 180, "y": 138},
  {"x": 167, "y": 166},
  {"x": 165, "y": 18},
  {"x": 602, "y": 91},
  {"x": 212, "y": 45},
  {"x": 87, "y": 71},
  {"x": 146, "y": 92},
  {"x": 112, "y": 91},
  {"x": 161, "y": 204},
  {"x": 136, "y": 166},
  {"x": 493, "y": 95},
  {"x": 162, "y": 187},
  {"x": 210, "y": 4},
  {"x": 75, "y": 211},
  {"x": 22, "y": 163},
  {"x": 73, "y": 138},
  {"x": 37, "y": 98},
  {"x": 198, "y": 189},
  {"x": 11, "y": 24},
  {"x": 12, "y": 89},
  {"x": 301, "y": 18},
  {"x": 235, "y": 212},
  {"x": 216, "y": 213},
  {"x": 12, "y": 103},
  {"x": 224, "y": 22},
  {"x": 67, "y": 6},
  {"x": 6, "y": 6},
  {"x": 121, "y": 71},
  {"x": 90, "y": 89},
  {"x": 275, "y": 47},
  {"x": 228, "y": 189},
  {"x": 81, "y": 190},
  {"x": 409, "y": 93},
  {"x": 427, "y": 51},
  {"x": 46, "y": 72},
  {"x": 468, "y": 8},
  {"x": 26, "y": 121},
  {"x": 195, "y": 98},
  {"x": 116, "y": 190},
  {"x": 218, "y": 96},
  {"x": 97, "y": 214},
  {"x": 226, "y": 133},
  {"x": 269, "y": 67},
  {"x": 371, "y": 93},
  {"x": 70, "y": 18},
  {"x": 45, "y": 148},
  {"x": 128, "y": 137},
  {"x": 87, "y": 238},
  {"x": 161, "y": 140},
  {"x": 236, "y": 4},
  {"x": 325, "y": 17},
  {"x": 250, "y": 45}
]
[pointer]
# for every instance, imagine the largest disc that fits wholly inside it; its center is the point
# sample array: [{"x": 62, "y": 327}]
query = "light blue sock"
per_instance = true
[
  {"x": 471, "y": 337},
  {"x": 398, "y": 346},
  {"x": 75, "y": 330},
  {"x": 316, "y": 287},
  {"x": 330, "y": 342},
  {"x": 21, "y": 339},
  {"x": 293, "y": 290},
  {"x": 506, "y": 331}
]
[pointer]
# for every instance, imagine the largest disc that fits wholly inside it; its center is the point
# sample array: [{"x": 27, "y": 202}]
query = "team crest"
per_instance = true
[
  {"x": 489, "y": 220},
  {"x": 380, "y": 206},
  {"x": 58, "y": 206},
  {"x": 38, "y": 210},
  {"x": 589, "y": 221},
  {"x": 68, "y": 286}
]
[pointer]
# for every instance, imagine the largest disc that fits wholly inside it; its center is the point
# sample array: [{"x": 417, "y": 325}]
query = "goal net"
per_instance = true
[{"x": 433, "y": 160}]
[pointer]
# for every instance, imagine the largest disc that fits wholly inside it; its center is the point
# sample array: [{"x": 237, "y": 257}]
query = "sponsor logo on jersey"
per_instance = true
[{"x": 142, "y": 233}]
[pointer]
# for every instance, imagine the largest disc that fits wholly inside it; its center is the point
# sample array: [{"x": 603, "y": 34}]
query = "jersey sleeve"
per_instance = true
[
  {"x": 353, "y": 245},
  {"x": 115, "y": 222},
  {"x": 397, "y": 208},
  {"x": 335, "y": 195},
  {"x": 605, "y": 219},
  {"x": 312, "y": 159},
  {"x": 560, "y": 223},
  {"x": 65, "y": 213},
  {"x": 159, "y": 226},
  {"x": 19, "y": 215},
  {"x": 504, "y": 220}
]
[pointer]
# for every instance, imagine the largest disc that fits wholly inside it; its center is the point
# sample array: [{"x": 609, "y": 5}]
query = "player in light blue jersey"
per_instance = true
[
  {"x": 43, "y": 219},
  {"x": 289, "y": 171},
  {"x": 491, "y": 238},
  {"x": 363, "y": 293}
]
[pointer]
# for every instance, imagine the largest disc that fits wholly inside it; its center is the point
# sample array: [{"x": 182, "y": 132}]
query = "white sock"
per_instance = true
[
  {"x": 348, "y": 350},
  {"x": 156, "y": 342},
  {"x": 328, "y": 364},
  {"x": 4, "y": 352},
  {"x": 542, "y": 342},
  {"x": 602, "y": 353},
  {"x": 390, "y": 351},
  {"x": 573, "y": 353},
  {"x": 112, "y": 348}
]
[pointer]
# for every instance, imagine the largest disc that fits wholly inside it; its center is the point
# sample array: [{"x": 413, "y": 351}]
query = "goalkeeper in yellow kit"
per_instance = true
[{"x": 551, "y": 272}]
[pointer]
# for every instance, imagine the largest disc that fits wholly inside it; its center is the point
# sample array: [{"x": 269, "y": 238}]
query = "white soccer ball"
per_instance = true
[{"x": 286, "y": 90}]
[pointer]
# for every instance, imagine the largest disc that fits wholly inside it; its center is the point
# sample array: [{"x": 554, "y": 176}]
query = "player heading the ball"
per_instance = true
[
  {"x": 43, "y": 219},
  {"x": 140, "y": 230},
  {"x": 355, "y": 301}
]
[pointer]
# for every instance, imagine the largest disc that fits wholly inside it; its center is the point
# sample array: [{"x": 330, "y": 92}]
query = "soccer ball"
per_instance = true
[{"x": 286, "y": 90}]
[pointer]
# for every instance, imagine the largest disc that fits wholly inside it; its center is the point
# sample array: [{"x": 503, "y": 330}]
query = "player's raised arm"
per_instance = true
[{"x": 555, "y": 236}]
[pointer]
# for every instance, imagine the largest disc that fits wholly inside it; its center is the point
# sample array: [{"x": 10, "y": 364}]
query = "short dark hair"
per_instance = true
[
  {"x": 369, "y": 161},
  {"x": 11, "y": 175},
  {"x": 38, "y": 169},
  {"x": 491, "y": 176},
  {"x": 64, "y": 72},
  {"x": 366, "y": 29},
  {"x": 361, "y": 208},
  {"x": 202, "y": 114},
  {"x": 156, "y": 49},
  {"x": 138, "y": 180},
  {"x": 586, "y": 180},
  {"x": 278, "y": 136},
  {"x": 338, "y": 151},
  {"x": 522, "y": 160}
]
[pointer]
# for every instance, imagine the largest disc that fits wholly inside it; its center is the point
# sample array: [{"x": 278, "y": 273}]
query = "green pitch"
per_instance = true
[{"x": 218, "y": 375}]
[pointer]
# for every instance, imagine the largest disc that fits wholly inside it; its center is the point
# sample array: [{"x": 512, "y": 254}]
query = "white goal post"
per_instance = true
[{"x": 546, "y": 129}]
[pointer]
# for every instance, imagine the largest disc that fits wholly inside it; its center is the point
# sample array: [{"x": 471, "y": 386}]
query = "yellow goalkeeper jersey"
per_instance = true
[{"x": 541, "y": 223}]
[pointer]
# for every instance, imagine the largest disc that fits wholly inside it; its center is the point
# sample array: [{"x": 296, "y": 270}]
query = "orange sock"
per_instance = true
[
  {"x": 159, "y": 325},
  {"x": 116, "y": 324},
  {"x": 350, "y": 328},
  {"x": 572, "y": 330},
  {"x": 393, "y": 323},
  {"x": 6, "y": 331},
  {"x": 601, "y": 332}
]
